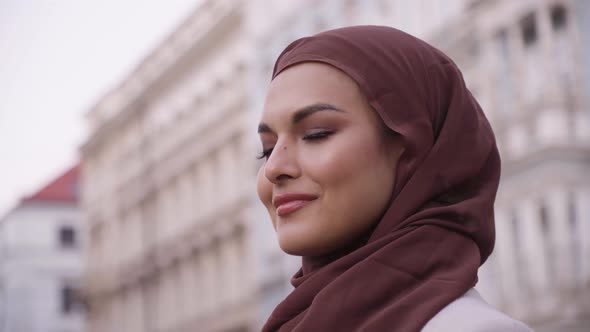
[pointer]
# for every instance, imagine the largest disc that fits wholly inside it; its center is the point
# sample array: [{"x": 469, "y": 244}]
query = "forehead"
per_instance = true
[{"x": 309, "y": 83}]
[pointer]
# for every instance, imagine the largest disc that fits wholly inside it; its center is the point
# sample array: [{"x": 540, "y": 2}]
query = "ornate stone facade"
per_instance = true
[
  {"x": 524, "y": 63},
  {"x": 168, "y": 186}
]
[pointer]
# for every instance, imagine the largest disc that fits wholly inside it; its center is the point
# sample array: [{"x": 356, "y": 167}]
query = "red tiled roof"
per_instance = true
[{"x": 62, "y": 189}]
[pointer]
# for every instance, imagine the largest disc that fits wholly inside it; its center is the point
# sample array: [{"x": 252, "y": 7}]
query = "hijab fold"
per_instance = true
[{"x": 439, "y": 228}]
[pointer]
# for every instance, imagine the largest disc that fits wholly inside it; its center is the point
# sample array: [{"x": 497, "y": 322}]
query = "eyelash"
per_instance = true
[
  {"x": 317, "y": 136},
  {"x": 264, "y": 154},
  {"x": 311, "y": 137}
]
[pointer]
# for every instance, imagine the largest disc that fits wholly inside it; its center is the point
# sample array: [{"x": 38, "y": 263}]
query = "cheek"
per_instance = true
[
  {"x": 356, "y": 181},
  {"x": 342, "y": 161}
]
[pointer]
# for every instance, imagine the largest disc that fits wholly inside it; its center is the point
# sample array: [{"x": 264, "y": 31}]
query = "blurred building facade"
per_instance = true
[
  {"x": 177, "y": 238},
  {"x": 168, "y": 187},
  {"x": 40, "y": 260},
  {"x": 524, "y": 62}
]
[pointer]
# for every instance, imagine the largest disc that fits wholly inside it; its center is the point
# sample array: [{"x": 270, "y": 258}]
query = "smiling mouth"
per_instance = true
[
  {"x": 288, "y": 203},
  {"x": 290, "y": 207}
]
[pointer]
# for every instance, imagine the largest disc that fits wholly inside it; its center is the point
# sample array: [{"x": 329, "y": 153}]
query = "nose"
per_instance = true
[{"x": 281, "y": 164}]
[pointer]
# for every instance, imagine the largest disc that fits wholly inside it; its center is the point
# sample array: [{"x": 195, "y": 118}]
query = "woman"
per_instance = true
[{"x": 381, "y": 172}]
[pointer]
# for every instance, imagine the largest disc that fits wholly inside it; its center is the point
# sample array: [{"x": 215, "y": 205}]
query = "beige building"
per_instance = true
[
  {"x": 177, "y": 238},
  {"x": 524, "y": 62},
  {"x": 168, "y": 186}
]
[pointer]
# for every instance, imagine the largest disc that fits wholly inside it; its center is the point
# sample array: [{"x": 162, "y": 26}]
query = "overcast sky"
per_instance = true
[{"x": 57, "y": 58}]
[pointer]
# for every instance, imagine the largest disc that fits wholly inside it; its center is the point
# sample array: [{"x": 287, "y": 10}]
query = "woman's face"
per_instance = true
[{"x": 329, "y": 167}]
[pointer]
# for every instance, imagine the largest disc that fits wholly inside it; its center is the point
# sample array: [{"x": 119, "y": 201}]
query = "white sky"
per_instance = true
[{"x": 57, "y": 58}]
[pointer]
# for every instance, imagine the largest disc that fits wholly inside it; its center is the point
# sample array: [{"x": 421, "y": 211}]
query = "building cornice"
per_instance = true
[
  {"x": 195, "y": 37},
  {"x": 578, "y": 155}
]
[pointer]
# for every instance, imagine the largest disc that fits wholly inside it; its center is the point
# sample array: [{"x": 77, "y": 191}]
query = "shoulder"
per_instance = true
[{"x": 471, "y": 313}]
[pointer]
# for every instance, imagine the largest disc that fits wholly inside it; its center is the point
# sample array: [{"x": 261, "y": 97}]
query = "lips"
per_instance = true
[{"x": 288, "y": 203}]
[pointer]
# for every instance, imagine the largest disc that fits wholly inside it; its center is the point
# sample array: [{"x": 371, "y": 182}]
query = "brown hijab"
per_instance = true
[{"x": 439, "y": 228}]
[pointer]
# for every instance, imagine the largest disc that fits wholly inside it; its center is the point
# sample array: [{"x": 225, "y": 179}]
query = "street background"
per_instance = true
[{"x": 128, "y": 143}]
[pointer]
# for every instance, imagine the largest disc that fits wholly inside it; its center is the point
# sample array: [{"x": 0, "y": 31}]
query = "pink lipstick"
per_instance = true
[{"x": 288, "y": 203}]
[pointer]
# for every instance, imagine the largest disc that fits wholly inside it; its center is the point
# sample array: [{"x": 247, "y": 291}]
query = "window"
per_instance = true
[
  {"x": 544, "y": 218},
  {"x": 67, "y": 237},
  {"x": 572, "y": 215},
  {"x": 70, "y": 300},
  {"x": 503, "y": 76},
  {"x": 532, "y": 86},
  {"x": 547, "y": 243},
  {"x": 576, "y": 245},
  {"x": 558, "y": 18},
  {"x": 528, "y": 29}
]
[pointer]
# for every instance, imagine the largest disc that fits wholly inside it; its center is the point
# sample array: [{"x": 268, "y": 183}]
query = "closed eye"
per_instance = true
[
  {"x": 317, "y": 136},
  {"x": 309, "y": 137}
]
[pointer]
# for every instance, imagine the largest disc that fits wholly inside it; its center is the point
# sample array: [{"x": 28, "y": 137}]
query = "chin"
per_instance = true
[
  {"x": 296, "y": 247},
  {"x": 301, "y": 247},
  {"x": 300, "y": 237}
]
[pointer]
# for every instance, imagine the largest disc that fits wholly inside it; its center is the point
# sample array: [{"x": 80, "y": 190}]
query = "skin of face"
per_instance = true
[{"x": 325, "y": 152}]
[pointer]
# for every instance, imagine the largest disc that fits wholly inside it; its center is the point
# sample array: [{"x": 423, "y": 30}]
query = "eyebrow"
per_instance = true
[{"x": 302, "y": 113}]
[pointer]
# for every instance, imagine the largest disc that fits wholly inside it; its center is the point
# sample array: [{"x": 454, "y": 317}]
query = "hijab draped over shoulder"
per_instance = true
[{"x": 439, "y": 227}]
